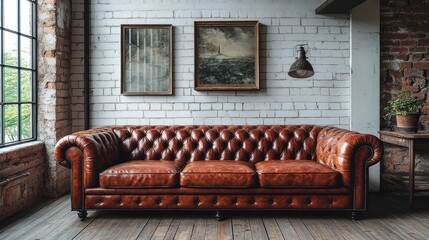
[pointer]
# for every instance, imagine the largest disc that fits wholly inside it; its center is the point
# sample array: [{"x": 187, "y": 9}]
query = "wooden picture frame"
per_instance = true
[
  {"x": 226, "y": 55},
  {"x": 146, "y": 59}
]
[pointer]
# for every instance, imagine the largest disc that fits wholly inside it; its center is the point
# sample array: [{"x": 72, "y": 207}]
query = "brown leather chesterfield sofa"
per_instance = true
[{"x": 219, "y": 168}]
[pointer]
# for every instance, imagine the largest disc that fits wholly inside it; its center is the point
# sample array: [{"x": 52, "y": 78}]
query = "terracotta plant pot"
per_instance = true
[{"x": 407, "y": 123}]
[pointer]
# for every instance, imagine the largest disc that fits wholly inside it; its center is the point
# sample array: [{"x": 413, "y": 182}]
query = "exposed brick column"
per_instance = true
[
  {"x": 404, "y": 66},
  {"x": 54, "y": 117}
]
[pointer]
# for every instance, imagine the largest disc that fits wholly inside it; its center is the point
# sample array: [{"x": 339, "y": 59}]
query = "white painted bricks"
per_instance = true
[{"x": 322, "y": 99}]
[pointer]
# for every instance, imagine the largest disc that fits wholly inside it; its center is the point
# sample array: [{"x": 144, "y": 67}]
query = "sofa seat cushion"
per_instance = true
[
  {"x": 141, "y": 174},
  {"x": 218, "y": 174},
  {"x": 296, "y": 173}
]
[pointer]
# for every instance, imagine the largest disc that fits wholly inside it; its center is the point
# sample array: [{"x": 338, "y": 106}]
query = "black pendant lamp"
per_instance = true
[{"x": 301, "y": 68}]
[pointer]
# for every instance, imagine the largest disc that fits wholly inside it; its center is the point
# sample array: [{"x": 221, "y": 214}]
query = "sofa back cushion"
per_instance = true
[{"x": 243, "y": 143}]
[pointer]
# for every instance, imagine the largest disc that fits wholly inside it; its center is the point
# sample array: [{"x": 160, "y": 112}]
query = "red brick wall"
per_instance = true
[
  {"x": 404, "y": 66},
  {"x": 18, "y": 194}
]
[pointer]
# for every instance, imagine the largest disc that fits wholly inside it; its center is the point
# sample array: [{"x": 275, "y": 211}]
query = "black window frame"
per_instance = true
[{"x": 20, "y": 69}]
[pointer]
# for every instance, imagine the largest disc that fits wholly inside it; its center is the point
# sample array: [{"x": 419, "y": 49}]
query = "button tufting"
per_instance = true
[{"x": 233, "y": 143}]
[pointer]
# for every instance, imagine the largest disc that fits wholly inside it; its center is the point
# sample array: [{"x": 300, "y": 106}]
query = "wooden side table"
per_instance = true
[{"x": 412, "y": 141}]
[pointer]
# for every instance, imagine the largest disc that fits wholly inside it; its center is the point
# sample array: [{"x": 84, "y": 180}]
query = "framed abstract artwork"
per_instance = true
[
  {"x": 146, "y": 60},
  {"x": 226, "y": 55}
]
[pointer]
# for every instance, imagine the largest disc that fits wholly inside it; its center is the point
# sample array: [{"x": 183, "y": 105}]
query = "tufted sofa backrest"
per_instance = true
[{"x": 243, "y": 143}]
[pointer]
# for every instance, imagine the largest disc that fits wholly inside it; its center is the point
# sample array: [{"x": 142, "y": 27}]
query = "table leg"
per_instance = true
[{"x": 411, "y": 173}]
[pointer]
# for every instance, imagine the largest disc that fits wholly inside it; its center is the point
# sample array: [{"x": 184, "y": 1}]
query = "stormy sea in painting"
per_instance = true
[
  {"x": 226, "y": 56},
  {"x": 226, "y": 71}
]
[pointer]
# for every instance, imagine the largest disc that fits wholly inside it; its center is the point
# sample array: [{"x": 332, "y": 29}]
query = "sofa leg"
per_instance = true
[
  {"x": 82, "y": 215},
  {"x": 357, "y": 215},
  {"x": 219, "y": 216}
]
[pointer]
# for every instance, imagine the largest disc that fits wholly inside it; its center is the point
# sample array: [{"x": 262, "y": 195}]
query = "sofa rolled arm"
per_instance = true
[
  {"x": 341, "y": 149},
  {"x": 365, "y": 149},
  {"x": 97, "y": 143},
  {"x": 69, "y": 150},
  {"x": 350, "y": 153},
  {"x": 87, "y": 153}
]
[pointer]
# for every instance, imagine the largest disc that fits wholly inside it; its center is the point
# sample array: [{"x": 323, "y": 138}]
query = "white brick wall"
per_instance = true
[{"x": 322, "y": 99}]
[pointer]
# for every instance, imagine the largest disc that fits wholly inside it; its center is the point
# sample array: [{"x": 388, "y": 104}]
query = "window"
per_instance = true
[{"x": 17, "y": 71}]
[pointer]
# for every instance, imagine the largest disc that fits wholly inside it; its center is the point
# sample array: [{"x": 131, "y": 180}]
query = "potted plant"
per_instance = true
[{"x": 406, "y": 108}]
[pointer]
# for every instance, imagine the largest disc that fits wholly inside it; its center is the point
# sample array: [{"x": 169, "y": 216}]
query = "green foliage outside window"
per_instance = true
[{"x": 10, "y": 91}]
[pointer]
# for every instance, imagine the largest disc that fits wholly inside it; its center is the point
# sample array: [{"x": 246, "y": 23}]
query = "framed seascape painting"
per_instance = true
[
  {"x": 226, "y": 55},
  {"x": 146, "y": 60}
]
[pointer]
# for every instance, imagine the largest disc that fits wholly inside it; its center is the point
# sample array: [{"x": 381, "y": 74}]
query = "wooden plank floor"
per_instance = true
[{"x": 388, "y": 218}]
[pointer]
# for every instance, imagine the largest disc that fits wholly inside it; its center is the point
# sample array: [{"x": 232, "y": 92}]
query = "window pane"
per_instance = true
[
  {"x": 25, "y": 86},
  {"x": 1, "y": 14},
  {"x": 17, "y": 70},
  {"x": 1, "y": 44},
  {"x": 25, "y": 15},
  {"x": 10, "y": 84},
  {"x": 10, "y": 8},
  {"x": 1, "y": 93},
  {"x": 1, "y": 125},
  {"x": 10, "y": 49},
  {"x": 25, "y": 52},
  {"x": 11, "y": 123},
  {"x": 26, "y": 126}
]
